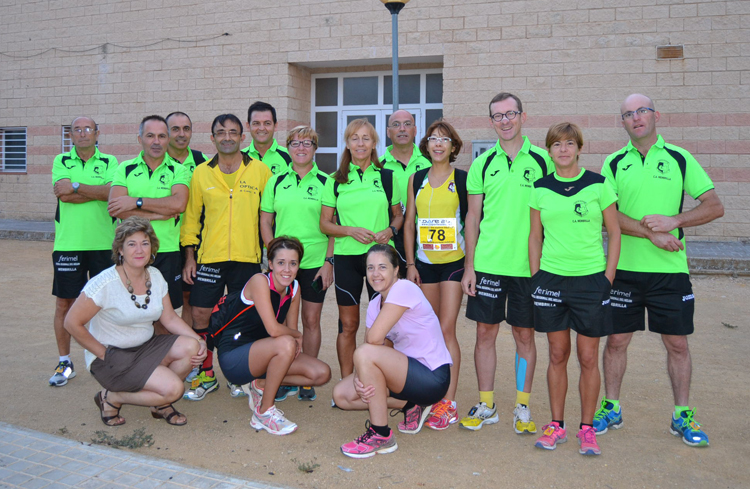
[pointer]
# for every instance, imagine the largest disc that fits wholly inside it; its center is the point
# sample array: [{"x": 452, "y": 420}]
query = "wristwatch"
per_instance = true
[
  {"x": 75, "y": 185},
  {"x": 329, "y": 259},
  {"x": 139, "y": 202},
  {"x": 394, "y": 230}
]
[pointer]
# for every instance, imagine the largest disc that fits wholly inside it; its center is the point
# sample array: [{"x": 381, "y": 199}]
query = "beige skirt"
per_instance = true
[{"x": 128, "y": 369}]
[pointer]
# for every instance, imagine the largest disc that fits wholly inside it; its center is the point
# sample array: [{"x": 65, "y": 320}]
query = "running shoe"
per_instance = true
[
  {"x": 478, "y": 416},
  {"x": 192, "y": 375},
  {"x": 307, "y": 394},
  {"x": 273, "y": 421},
  {"x": 522, "y": 422},
  {"x": 689, "y": 429},
  {"x": 369, "y": 444},
  {"x": 235, "y": 390},
  {"x": 254, "y": 394},
  {"x": 284, "y": 391},
  {"x": 606, "y": 417},
  {"x": 414, "y": 418},
  {"x": 201, "y": 386},
  {"x": 552, "y": 434},
  {"x": 63, "y": 372},
  {"x": 587, "y": 440},
  {"x": 443, "y": 415}
]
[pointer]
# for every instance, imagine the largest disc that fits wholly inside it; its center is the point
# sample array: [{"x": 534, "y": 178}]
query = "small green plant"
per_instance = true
[
  {"x": 730, "y": 326},
  {"x": 138, "y": 439},
  {"x": 63, "y": 430},
  {"x": 306, "y": 467}
]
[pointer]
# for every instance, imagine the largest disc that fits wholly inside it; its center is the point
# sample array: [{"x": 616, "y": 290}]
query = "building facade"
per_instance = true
[{"x": 328, "y": 61}]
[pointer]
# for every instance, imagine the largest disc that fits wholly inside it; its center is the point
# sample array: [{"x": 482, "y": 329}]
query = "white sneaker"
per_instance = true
[
  {"x": 253, "y": 393},
  {"x": 479, "y": 416},
  {"x": 235, "y": 390},
  {"x": 273, "y": 421},
  {"x": 63, "y": 372},
  {"x": 522, "y": 422}
]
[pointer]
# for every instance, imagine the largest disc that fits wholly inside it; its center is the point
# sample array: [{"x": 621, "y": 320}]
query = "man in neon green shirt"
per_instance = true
[
  {"x": 83, "y": 229},
  {"x": 261, "y": 123},
  {"x": 651, "y": 177}
]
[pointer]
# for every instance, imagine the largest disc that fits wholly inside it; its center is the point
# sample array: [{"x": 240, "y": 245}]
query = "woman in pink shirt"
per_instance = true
[{"x": 403, "y": 364}]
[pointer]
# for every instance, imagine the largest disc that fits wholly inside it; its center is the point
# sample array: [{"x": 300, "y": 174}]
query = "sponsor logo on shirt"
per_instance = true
[
  {"x": 452, "y": 187},
  {"x": 626, "y": 167}
]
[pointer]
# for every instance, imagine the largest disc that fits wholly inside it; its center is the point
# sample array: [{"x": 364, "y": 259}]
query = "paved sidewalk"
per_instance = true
[
  {"x": 704, "y": 257},
  {"x": 31, "y": 459}
]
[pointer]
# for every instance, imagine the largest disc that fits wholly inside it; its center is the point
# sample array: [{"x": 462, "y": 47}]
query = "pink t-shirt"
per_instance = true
[{"x": 417, "y": 334}]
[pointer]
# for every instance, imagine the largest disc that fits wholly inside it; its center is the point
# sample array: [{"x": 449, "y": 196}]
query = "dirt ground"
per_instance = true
[{"x": 218, "y": 435}]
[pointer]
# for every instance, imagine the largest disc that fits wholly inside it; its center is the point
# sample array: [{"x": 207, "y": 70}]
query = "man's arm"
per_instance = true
[
  {"x": 631, "y": 227},
  {"x": 471, "y": 235},
  {"x": 708, "y": 209},
  {"x": 63, "y": 190},
  {"x": 123, "y": 206}
]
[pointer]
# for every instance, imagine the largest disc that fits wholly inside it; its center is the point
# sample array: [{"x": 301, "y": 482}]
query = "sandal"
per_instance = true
[
  {"x": 100, "y": 401},
  {"x": 168, "y": 418}
]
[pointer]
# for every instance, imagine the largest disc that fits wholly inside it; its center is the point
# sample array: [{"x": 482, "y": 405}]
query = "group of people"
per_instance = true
[{"x": 520, "y": 234}]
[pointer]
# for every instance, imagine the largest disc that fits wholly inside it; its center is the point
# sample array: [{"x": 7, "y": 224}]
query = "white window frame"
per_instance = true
[
  {"x": 67, "y": 141},
  {"x": 381, "y": 110},
  {"x": 3, "y": 131}
]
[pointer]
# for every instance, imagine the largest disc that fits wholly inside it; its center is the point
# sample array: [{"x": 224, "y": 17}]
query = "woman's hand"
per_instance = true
[
  {"x": 364, "y": 236},
  {"x": 197, "y": 359},
  {"x": 326, "y": 271},
  {"x": 364, "y": 393},
  {"x": 298, "y": 340},
  {"x": 412, "y": 275},
  {"x": 384, "y": 236}
]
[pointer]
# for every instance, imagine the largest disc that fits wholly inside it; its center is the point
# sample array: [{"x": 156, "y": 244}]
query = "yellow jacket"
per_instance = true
[{"x": 229, "y": 231}]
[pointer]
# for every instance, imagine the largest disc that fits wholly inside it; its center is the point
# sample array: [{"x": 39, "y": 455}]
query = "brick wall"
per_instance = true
[{"x": 566, "y": 64}]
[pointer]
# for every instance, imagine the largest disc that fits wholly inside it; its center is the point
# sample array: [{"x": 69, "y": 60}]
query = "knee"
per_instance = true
[
  {"x": 589, "y": 360},
  {"x": 618, "y": 343},
  {"x": 558, "y": 355},
  {"x": 285, "y": 346},
  {"x": 349, "y": 327},
  {"x": 365, "y": 354},
  {"x": 341, "y": 393},
  {"x": 676, "y": 345},
  {"x": 174, "y": 389},
  {"x": 524, "y": 337},
  {"x": 322, "y": 373},
  {"x": 487, "y": 333}
]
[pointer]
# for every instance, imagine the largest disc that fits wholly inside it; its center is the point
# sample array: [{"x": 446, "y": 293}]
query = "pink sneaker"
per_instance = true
[
  {"x": 443, "y": 415},
  {"x": 369, "y": 444},
  {"x": 414, "y": 418},
  {"x": 552, "y": 434},
  {"x": 587, "y": 439}
]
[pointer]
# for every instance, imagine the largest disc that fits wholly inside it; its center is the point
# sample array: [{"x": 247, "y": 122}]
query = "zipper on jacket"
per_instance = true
[{"x": 229, "y": 231}]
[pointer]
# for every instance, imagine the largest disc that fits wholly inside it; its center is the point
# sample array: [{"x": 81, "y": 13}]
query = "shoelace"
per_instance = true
[
  {"x": 589, "y": 435},
  {"x": 689, "y": 419},
  {"x": 602, "y": 412},
  {"x": 524, "y": 414},
  {"x": 369, "y": 433},
  {"x": 440, "y": 409}
]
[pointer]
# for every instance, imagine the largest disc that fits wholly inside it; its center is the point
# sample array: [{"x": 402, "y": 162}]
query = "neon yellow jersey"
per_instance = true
[{"x": 277, "y": 158}]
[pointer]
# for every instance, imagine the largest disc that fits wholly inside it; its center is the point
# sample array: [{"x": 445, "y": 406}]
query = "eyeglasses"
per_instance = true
[
  {"x": 396, "y": 125},
  {"x": 510, "y": 115},
  {"x": 233, "y": 133},
  {"x": 306, "y": 143},
  {"x": 81, "y": 130},
  {"x": 435, "y": 139},
  {"x": 642, "y": 111}
]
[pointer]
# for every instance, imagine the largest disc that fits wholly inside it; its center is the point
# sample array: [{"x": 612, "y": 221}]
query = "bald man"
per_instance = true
[{"x": 650, "y": 177}]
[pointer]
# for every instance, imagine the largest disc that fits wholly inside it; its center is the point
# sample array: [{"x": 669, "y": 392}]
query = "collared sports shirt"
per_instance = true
[
  {"x": 503, "y": 244},
  {"x": 402, "y": 173},
  {"x": 86, "y": 226},
  {"x": 655, "y": 184},
  {"x": 361, "y": 202},
  {"x": 571, "y": 213},
  {"x": 297, "y": 204},
  {"x": 137, "y": 177},
  {"x": 277, "y": 158}
]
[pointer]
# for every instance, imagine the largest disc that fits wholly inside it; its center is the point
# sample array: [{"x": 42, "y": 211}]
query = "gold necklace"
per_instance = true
[{"x": 132, "y": 295}]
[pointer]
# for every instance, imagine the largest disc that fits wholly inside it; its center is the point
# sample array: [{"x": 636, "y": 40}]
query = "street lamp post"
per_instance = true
[{"x": 394, "y": 7}]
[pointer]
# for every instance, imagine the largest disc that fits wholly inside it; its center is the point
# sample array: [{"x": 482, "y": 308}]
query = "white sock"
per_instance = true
[{"x": 65, "y": 358}]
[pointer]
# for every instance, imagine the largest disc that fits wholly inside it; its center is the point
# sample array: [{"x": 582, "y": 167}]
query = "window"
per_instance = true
[
  {"x": 339, "y": 98},
  {"x": 67, "y": 142},
  {"x": 13, "y": 149}
]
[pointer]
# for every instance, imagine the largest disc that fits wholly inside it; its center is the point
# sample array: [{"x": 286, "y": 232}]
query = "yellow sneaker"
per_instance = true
[
  {"x": 522, "y": 422},
  {"x": 478, "y": 416}
]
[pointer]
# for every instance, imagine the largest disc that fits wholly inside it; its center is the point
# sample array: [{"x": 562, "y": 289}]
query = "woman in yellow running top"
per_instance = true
[{"x": 434, "y": 244}]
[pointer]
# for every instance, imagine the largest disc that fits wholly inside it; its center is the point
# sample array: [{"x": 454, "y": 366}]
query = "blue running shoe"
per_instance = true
[
  {"x": 284, "y": 391},
  {"x": 689, "y": 429},
  {"x": 606, "y": 417}
]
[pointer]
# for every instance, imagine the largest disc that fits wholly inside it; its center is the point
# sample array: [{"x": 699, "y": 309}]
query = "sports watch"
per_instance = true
[{"x": 139, "y": 202}]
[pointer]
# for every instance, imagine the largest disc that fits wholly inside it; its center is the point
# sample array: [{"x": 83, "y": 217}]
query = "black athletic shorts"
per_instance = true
[
  {"x": 398, "y": 243},
  {"x": 170, "y": 266},
  {"x": 488, "y": 306},
  {"x": 186, "y": 287},
  {"x": 305, "y": 279},
  {"x": 234, "y": 365},
  {"x": 668, "y": 297},
  {"x": 577, "y": 303},
  {"x": 74, "y": 268},
  {"x": 424, "y": 386},
  {"x": 349, "y": 272},
  {"x": 440, "y": 272},
  {"x": 211, "y": 278}
]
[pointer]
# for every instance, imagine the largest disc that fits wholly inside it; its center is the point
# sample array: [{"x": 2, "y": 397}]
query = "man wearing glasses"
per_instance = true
[
  {"x": 497, "y": 258},
  {"x": 403, "y": 158},
  {"x": 650, "y": 177},
  {"x": 227, "y": 191},
  {"x": 84, "y": 231},
  {"x": 261, "y": 122}
]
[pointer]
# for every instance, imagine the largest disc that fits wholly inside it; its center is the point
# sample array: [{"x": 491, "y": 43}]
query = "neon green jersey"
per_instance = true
[
  {"x": 503, "y": 244},
  {"x": 297, "y": 204},
  {"x": 403, "y": 172},
  {"x": 140, "y": 181},
  {"x": 360, "y": 203},
  {"x": 86, "y": 226},
  {"x": 654, "y": 185},
  {"x": 277, "y": 158},
  {"x": 571, "y": 213}
]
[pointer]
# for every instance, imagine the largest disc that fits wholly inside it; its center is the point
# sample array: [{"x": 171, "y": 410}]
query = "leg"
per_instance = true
[
  {"x": 311, "y": 327},
  {"x": 615, "y": 362},
  {"x": 590, "y": 381},
  {"x": 273, "y": 357},
  {"x": 485, "y": 355},
  {"x": 450, "y": 303},
  {"x": 187, "y": 310},
  {"x": 307, "y": 370},
  {"x": 557, "y": 372},
  {"x": 201, "y": 317},
  {"x": 385, "y": 369},
  {"x": 347, "y": 399},
  {"x": 526, "y": 352},
  {"x": 346, "y": 341},
  {"x": 62, "y": 306},
  {"x": 679, "y": 366}
]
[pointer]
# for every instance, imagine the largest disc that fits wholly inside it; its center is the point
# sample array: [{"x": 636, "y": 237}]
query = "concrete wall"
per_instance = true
[{"x": 119, "y": 60}]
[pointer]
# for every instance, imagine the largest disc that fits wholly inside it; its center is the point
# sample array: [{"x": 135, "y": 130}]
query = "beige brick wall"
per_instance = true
[{"x": 567, "y": 61}]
